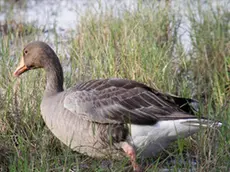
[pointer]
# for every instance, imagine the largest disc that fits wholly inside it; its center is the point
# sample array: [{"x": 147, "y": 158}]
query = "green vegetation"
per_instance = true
[{"x": 142, "y": 45}]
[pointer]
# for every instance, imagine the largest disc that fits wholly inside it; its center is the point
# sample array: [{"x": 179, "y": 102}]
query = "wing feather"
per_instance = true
[{"x": 124, "y": 101}]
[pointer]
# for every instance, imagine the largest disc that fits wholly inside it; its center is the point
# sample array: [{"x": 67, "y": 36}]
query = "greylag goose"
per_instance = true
[{"x": 109, "y": 117}]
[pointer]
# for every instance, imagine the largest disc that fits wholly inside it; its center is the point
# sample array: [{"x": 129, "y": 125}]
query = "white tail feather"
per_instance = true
[
  {"x": 153, "y": 138},
  {"x": 202, "y": 123}
]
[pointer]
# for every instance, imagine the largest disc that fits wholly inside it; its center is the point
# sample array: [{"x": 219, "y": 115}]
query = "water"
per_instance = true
[{"x": 63, "y": 15}]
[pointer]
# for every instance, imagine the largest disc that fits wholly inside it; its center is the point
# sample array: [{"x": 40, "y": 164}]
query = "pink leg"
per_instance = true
[{"x": 130, "y": 152}]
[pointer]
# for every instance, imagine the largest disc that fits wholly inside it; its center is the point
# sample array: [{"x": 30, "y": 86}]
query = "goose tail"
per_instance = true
[{"x": 206, "y": 123}]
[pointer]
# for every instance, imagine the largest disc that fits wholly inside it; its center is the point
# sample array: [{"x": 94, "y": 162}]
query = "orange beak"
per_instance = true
[{"x": 21, "y": 68}]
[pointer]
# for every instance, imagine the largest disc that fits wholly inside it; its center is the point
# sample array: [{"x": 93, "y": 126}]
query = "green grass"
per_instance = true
[{"x": 141, "y": 45}]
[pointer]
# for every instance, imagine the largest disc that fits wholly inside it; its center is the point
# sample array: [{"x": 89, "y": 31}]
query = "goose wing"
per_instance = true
[{"x": 125, "y": 101}]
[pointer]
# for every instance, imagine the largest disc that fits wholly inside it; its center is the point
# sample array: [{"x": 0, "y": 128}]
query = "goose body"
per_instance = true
[{"x": 110, "y": 117}]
